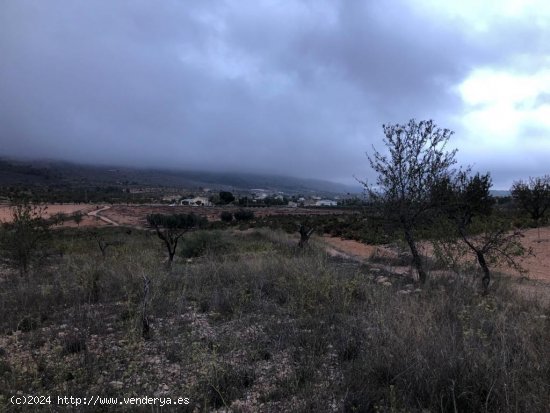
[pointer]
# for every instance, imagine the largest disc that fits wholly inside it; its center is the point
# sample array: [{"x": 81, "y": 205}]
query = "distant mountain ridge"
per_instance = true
[
  {"x": 45, "y": 172},
  {"x": 500, "y": 192}
]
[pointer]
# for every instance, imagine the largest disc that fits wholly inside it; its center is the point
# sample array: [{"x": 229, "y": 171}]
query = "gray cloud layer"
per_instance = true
[{"x": 298, "y": 88}]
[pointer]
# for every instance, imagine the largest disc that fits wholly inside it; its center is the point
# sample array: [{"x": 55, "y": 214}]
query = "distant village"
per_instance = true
[{"x": 253, "y": 198}]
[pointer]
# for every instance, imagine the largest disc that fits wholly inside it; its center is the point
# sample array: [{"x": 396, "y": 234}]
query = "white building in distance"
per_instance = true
[
  {"x": 197, "y": 201},
  {"x": 326, "y": 202}
]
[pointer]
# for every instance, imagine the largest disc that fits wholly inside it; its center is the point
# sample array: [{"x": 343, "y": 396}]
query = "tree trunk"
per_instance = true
[
  {"x": 486, "y": 273},
  {"x": 417, "y": 260},
  {"x": 172, "y": 251},
  {"x": 486, "y": 279},
  {"x": 145, "y": 328},
  {"x": 170, "y": 247},
  {"x": 171, "y": 254},
  {"x": 305, "y": 233},
  {"x": 103, "y": 247}
]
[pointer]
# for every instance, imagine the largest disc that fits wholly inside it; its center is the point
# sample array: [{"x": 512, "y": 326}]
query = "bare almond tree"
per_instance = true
[{"x": 414, "y": 160}]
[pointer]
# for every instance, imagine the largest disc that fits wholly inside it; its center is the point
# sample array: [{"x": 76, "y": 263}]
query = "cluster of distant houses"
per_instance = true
[
  {"x": 257, "y": 196},
  {"x": 313, "y": 201},
  {"x": 196, "y": 201}
]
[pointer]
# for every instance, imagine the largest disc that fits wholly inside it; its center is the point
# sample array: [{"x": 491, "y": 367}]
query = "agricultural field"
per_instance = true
[{"x": 6, "y": 214}]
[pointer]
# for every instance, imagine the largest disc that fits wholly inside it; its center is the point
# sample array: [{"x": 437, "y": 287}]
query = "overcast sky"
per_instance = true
[{"x": 299, "y": 88}]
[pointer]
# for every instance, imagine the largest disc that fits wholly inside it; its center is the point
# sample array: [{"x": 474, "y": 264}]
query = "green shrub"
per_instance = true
[
  {"x": 199, "y": 243},
  {"x": 244, "y": 215},
  {"x": 22, "y": 239},
  {"x": 226, "y": 216}
]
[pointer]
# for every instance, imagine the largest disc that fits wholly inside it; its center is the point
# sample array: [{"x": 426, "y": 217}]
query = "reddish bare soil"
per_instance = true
[
  {"x": 52, "y": 209},
  {"x": 537, "y": 265},
  {"x": 356, "y": 249}
]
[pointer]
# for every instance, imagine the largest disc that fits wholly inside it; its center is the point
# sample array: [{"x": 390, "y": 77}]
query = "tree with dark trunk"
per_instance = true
[
  {"x": 102, "y": 243},
  {"x": 145, "y": 326},
  {"x": 170, "y": 228},
  {"x": 305, "y": 234},
  {"x": 416, "y": 159},
  {"x": 495, "y": 244},
  {"x": 468, "y": 203},
  {"x": 77, "y": 217}
]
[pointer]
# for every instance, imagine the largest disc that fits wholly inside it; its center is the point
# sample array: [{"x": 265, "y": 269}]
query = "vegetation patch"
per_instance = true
[{"x": 258, "y": 323}]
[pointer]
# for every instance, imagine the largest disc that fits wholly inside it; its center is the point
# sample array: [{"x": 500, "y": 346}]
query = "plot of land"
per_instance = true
[
  {"x": 538, "y": 264},
  {"x": 51, "y": 209},
  {"x": 538, "y": 240}
]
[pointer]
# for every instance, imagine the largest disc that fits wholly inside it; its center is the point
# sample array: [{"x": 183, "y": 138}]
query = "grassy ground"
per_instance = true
[{"x": 246, "y": 322}]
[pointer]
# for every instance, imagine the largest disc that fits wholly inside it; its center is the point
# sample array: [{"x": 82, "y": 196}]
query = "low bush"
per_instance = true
[
  {"x": 201, "y": 242},
  {"x": 226, "y": 216},
  {"x": 244, "y": 215}
]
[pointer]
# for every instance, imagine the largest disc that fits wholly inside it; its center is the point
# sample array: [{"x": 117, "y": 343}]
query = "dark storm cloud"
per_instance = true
[{"x": 299, "y": 88}]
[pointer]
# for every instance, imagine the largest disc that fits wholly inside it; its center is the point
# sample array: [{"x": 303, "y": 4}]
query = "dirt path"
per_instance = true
[
  {"x": 95, "y": 213},
  {"x": 355, "y": 249},
  {"x": 538, "y": 264}
]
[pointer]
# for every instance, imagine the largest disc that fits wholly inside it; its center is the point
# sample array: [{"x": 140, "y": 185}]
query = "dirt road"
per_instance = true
[{"x": 95, "y": 213}]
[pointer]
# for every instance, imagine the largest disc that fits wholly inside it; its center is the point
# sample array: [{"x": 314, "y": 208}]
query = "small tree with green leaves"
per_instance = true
[
  {"x": 226, "y": 197},
  {"x": 77, "y": 218},
  {"x": 533, "y": 196},
  {"x": 170, "y": 228},
  {"x": 23, "y": 237},
  {"x": 416, "y": 158},
  {"x": 59, "y": 218}
]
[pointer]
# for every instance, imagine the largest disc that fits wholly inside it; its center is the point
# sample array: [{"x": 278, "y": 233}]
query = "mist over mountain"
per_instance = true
[
  {"x": 253, "y": 86},
  {"x": 48, "y": 172}
]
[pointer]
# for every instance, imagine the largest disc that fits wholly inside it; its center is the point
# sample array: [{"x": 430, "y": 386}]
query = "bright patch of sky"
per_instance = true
[
  {"x": 500, "y": 103},
  {"x": 481, "y": 15},
  {"x": 506, "y": 102}
]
